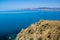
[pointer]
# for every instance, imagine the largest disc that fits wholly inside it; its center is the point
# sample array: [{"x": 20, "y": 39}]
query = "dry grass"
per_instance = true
[{"x": 42, "y": 30}]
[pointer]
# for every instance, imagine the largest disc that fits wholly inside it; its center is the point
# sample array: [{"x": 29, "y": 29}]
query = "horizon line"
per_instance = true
[{"x": 30, "y": 8}]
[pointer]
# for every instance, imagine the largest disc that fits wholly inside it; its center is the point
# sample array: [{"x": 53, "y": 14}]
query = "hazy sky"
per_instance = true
[{"x": 18, "y": 4}]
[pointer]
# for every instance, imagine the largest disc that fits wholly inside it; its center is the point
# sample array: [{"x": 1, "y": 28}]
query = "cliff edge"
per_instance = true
[{"x": 42, "y": 30}]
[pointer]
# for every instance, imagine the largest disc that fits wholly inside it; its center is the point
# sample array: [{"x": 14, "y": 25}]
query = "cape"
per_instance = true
[{"x": 41, "y": 30}]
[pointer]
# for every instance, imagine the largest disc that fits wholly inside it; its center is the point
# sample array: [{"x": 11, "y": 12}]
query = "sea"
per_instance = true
[{"x": 11, "y": 22}]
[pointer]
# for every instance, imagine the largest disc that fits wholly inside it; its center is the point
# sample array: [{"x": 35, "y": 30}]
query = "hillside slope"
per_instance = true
[{"x": 42, "y": 30}]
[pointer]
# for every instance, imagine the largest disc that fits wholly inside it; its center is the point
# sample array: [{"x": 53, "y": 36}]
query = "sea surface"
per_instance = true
[{"x": 12, "y": 22}]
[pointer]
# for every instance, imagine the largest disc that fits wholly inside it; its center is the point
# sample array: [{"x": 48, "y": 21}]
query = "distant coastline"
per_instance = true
[{"x": 40, "y": 8}]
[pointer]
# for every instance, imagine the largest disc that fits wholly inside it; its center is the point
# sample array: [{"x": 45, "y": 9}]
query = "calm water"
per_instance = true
[{"x": 13, "y": 22}]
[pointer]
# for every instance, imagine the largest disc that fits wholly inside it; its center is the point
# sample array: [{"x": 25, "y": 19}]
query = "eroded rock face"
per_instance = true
[{"x": 42, "y": 30}]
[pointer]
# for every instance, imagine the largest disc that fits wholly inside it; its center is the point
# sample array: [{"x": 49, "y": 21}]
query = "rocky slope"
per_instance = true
[{"x": 42, "y": 30}]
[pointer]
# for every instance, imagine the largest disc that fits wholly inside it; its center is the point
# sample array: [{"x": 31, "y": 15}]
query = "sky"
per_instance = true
[{"x": 22, "y": 4}]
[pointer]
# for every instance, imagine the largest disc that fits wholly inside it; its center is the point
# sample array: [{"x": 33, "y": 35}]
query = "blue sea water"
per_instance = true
[{"x": 13, "y": 22}]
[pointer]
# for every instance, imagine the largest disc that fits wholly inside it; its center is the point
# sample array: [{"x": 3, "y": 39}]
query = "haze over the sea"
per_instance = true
[{"x": 23, "y": 4}]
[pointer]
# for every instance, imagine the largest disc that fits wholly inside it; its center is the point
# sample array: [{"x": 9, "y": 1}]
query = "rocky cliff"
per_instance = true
[{"x": 42, "y": 30}]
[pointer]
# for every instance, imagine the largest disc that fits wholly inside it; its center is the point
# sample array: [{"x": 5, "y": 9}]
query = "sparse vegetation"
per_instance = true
[
  {"x": 42, "y": 30},
  {"x": 31, "y": 38}
]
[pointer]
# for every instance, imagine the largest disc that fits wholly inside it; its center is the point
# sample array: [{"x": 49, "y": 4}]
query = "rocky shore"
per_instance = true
[{"x": 41, "y": 30}]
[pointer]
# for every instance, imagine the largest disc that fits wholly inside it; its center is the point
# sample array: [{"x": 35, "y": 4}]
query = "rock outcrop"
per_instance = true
[{"x": 42, "y": 30}]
